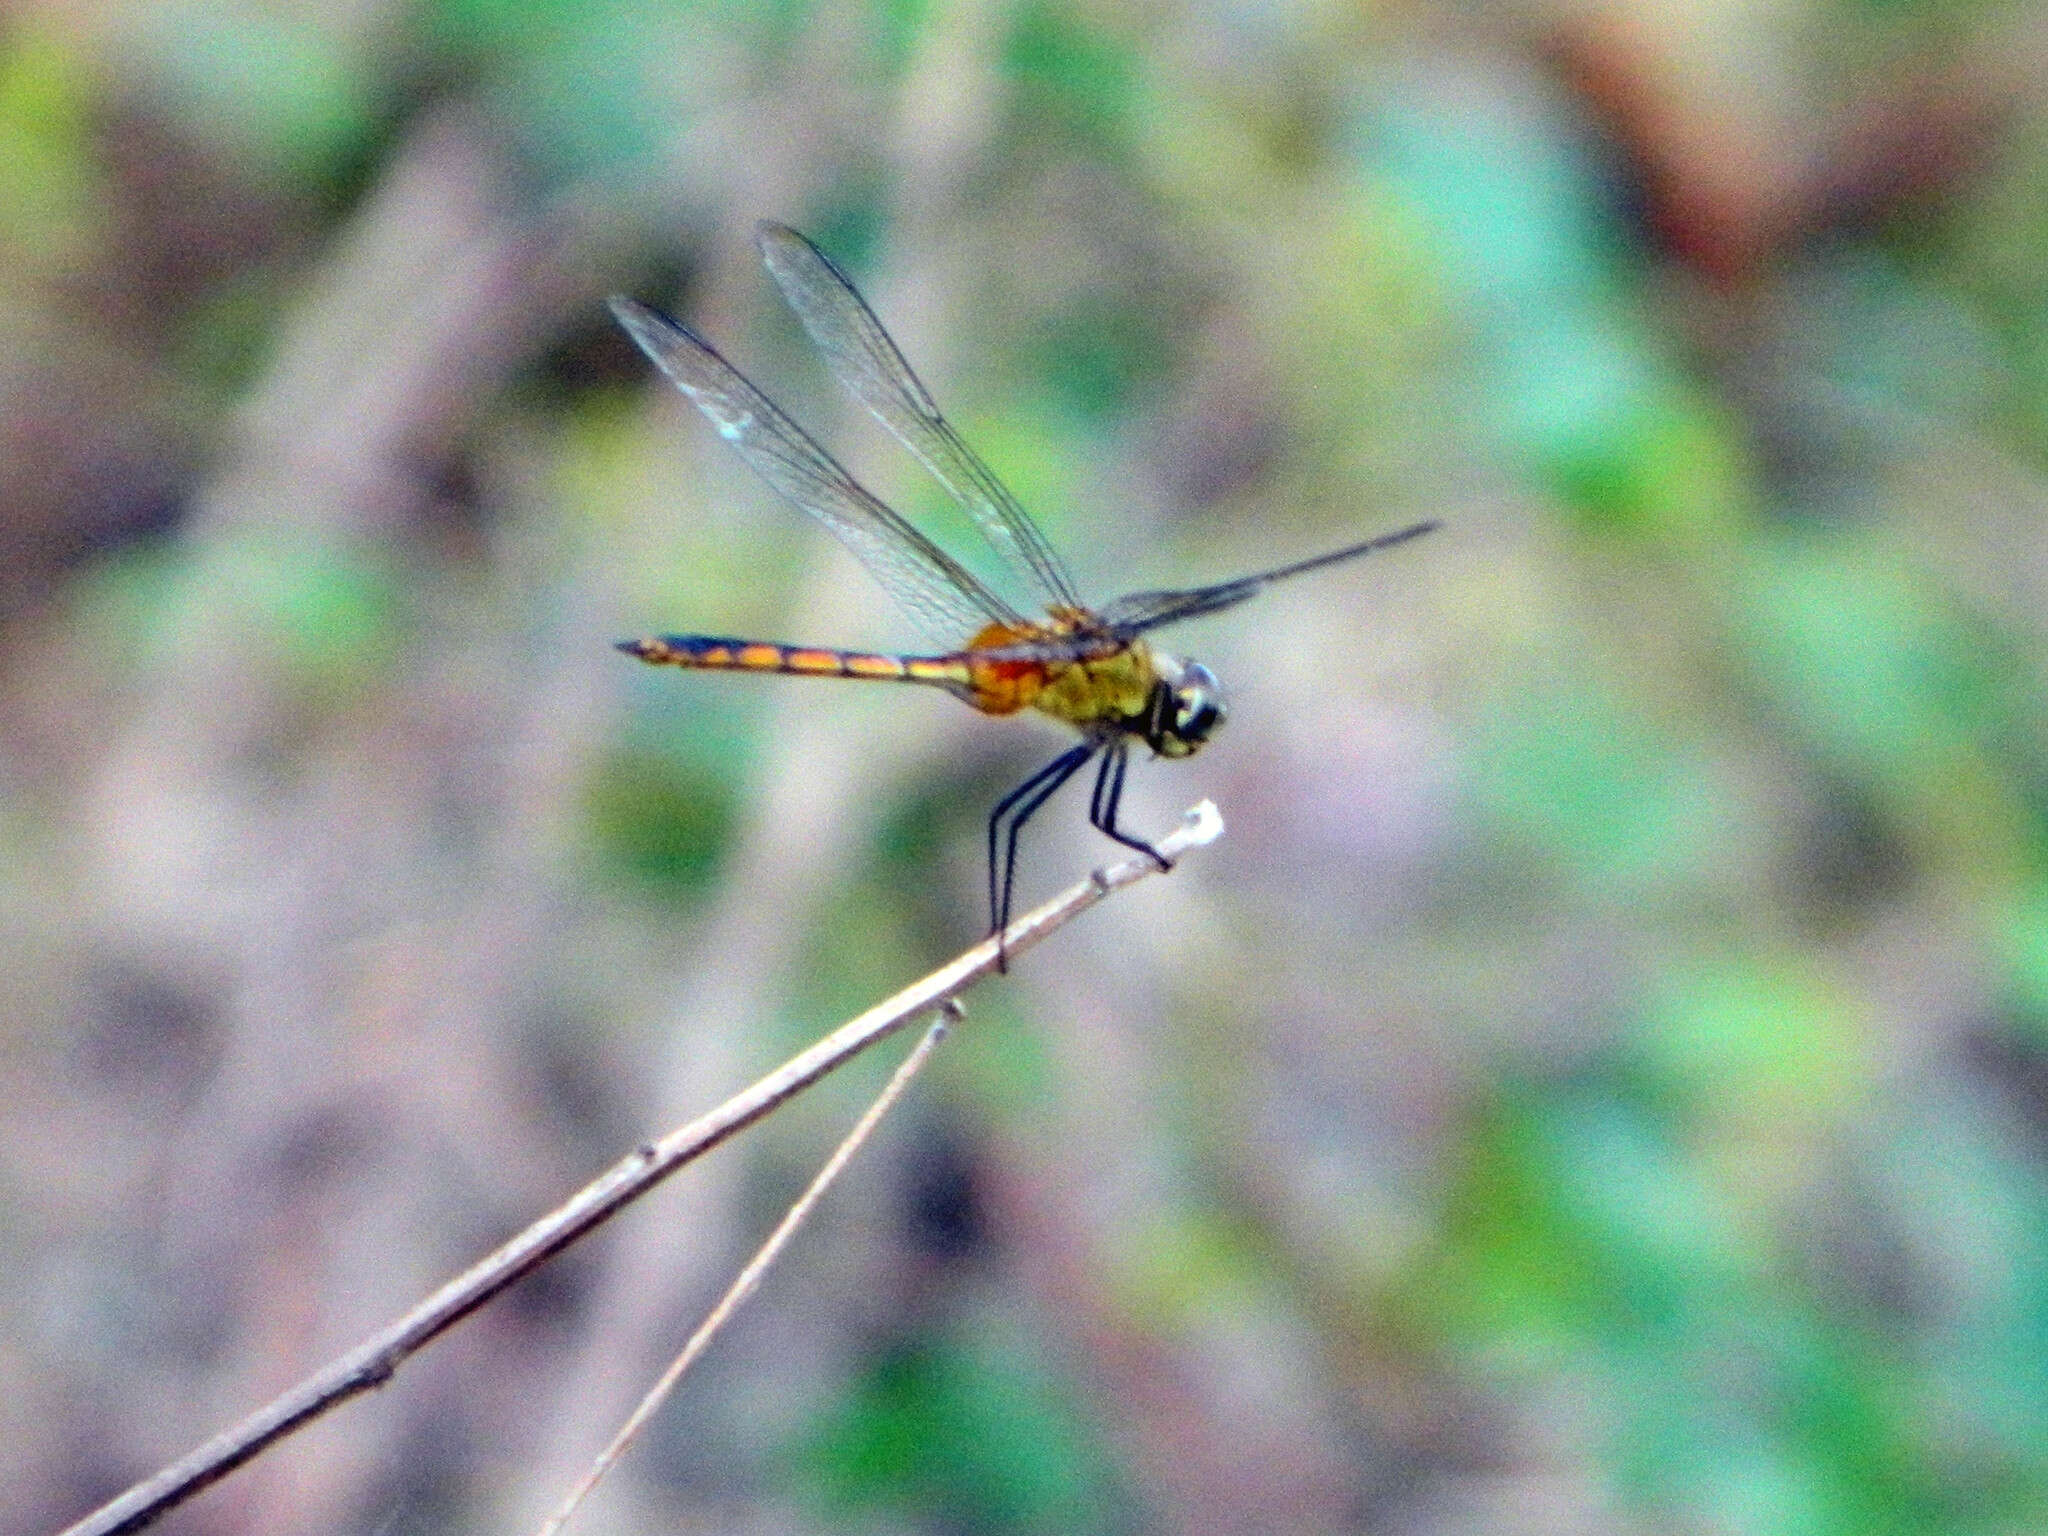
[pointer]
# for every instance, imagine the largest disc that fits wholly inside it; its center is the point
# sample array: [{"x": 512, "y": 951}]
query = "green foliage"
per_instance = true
[
  {"x": 1595, "y": 792},
  {"x": 2024, "y": 952},
  {"x": 329, "y": 617},
  {"x": 1074, "y": 83},
  {"x": 1867, "y": 666},
  {"x": 661, "y": 820},
  {"x": 1751, "y": 1045},
  {"x": 1098, "y": 352},
  {"x": 49, "y": 179},
  {"x": 1585, "y": 1239},
  {"x": 968, "y": 1428},
  {"x": 278, "y": 85},
  {"x": 1581, "y": 388}
]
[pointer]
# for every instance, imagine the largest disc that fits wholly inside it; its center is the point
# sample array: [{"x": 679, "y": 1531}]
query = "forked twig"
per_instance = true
[
  {"x": 744, "y": 1284},
  {"x": 372, "y": 1363}
]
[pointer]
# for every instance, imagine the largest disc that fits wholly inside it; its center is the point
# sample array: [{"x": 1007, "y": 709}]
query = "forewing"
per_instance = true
[
  {"x": 1140, "y": 611},
  {"x": 945, "y": 598},
  {"x": 868, "y": 364}
]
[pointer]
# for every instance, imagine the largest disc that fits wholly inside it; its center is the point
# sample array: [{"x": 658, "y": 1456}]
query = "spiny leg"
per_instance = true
[
  {"x": 1019, "y": 806},
  {"x": 1109, "y": 794}
]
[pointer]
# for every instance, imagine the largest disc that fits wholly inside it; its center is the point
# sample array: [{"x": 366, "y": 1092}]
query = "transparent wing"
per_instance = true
[
  {"x": 1133, "y": 615},
  {"x": 867, "y": 363},
  {"x": 945, "y": 598}
]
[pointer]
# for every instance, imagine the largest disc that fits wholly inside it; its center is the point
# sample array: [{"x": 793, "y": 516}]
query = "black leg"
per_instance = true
[
  {"x": 1059, "y": 770},
  {"x": 1019, "y": 806},
  {"x": 1112, "y": 769},
  {"x": 1109, "y": 794}
]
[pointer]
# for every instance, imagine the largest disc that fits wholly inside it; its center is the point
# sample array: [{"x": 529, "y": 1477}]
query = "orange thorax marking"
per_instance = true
[{"x": 1108, "y": 686}]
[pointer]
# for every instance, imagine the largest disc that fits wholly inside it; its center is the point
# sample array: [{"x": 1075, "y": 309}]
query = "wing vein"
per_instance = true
[
  {"x": 874, "y": 371},
  {"x": 946, "y": 599}
]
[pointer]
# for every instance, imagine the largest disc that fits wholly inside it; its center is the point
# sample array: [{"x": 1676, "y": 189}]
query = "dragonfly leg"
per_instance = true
[
  {"x": 1016, "y": 808},
  {"x": 1109, "y": 785},
  {"x": 1109, "y": 794}
]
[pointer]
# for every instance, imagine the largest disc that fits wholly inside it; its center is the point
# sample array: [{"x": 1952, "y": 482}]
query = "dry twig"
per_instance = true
[
  {"x": 749, "y": 1278},
  {"x": 372, "y": 1363}
]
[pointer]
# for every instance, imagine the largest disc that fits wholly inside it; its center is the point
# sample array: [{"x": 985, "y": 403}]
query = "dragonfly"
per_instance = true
[{"x": 1093, "y": 669}]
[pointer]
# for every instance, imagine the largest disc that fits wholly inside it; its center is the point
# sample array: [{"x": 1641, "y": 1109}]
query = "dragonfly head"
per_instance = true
[{"x": 1187, "y": 707}]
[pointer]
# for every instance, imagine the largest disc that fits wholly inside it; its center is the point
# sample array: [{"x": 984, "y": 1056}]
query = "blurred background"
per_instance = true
[{"x": 1598, "y": 1084}]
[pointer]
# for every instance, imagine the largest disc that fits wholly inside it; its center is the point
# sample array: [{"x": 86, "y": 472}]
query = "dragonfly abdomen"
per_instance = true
[{"x": 714, "y": 653}]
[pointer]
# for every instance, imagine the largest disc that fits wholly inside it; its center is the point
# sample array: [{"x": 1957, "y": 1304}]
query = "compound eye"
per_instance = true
[
  {"x": 1197, "y": 719},
  {"x": 1198, "y": 706}
]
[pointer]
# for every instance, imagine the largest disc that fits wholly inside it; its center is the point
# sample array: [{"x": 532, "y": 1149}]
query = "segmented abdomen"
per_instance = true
[{"x": 711, "y": 653}]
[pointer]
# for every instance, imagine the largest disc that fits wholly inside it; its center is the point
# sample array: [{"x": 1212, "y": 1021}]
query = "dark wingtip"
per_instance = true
[
  {"x": 636, "y": 320},
  {"x": 624, "y": 310},
  {"x": 631, "y": 647},
  {"x": 640, "y": 321}
]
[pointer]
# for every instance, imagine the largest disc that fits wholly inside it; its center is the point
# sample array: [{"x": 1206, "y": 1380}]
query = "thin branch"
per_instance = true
[
  {"x": 372, "y": 1363},
  {"x": 749, "y": 1278}
]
